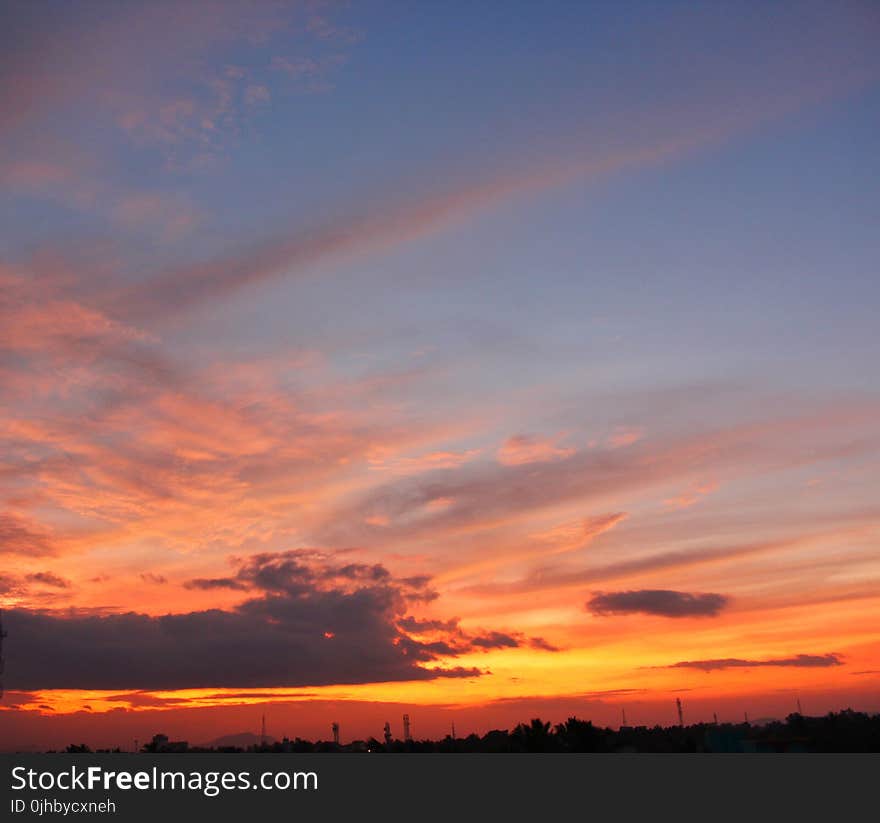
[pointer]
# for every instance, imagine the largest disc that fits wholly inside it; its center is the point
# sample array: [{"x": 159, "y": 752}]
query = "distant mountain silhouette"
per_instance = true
[{"x": 241, "y": 740}]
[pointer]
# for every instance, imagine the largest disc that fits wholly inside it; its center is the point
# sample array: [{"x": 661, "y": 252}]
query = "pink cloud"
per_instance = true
[
  {"x": 430, "y": 461},
  {"x": 523, "y": 448},
  {"x": 693, "y": 495},
  {"x": 624, "y": 436}
]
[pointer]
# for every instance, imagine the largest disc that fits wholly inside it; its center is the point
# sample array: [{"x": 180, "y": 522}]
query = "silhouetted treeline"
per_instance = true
[{"x": 844, "y": 731}]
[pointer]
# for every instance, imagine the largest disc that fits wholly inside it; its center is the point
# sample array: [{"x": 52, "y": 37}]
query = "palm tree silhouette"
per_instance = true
[
  {"x": 579, "y": 736},
  {"x": 535, "y": 737}
]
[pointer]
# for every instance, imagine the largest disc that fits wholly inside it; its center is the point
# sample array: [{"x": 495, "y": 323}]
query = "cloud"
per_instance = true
[
  {"x": 492, "y": 491},
  {"x": 169, "y": 93},
  {"x": 388, "y": 221},
  {"x": 292, "y": 252},
  {"x": 150, "y": 577},
  {"x": 563, "y": 538},
  {"x": 613, "y": 693},
  {"x": 80, "y": 61},
  {"x": 302, "y": 570},
  {"x": 213, "y": 583},
  {"x": 19, "y": 536},
  {"x": 494, "y": 640},
  {"x": 542, "y": 645},
  {"x": 693, "y": 495},
  {"x": 624, "y": 436},
  {"x": 524, "y": 448},
  {"x": 575, "y": 534},
  {"x": 543, "y": 579},
  {"x": 75, "y": 383},
  {"x": 806, "y": 661},
  {"x": 379, "y": 460},
  {"x": 449, "y": 636},
  {"x": 484, "y": 493},
  {"x": 416, "y": 626},
  {"x": 48, "y": 579},
  {"x": 313, "y": 621},
  {"x": 34, "y": 590},
  {"x": 142, "y": 700},
  {"x": 660, "y": 602}
]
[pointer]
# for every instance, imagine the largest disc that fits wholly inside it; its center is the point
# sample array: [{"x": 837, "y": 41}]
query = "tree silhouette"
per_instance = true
[
  {"x": 534, "y": 737},
  {"x": 580, "y": 736},
  {"x": 843, "y": 731}
]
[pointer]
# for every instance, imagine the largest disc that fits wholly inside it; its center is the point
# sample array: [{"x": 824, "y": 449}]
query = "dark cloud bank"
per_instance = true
[
  {"x": 310, "y": 622},
  {"x": 800, "y": 661},
  {"x": 660, "y": 602}
]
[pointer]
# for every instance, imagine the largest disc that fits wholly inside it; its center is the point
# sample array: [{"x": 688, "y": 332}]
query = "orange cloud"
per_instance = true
[
  {"x": 430, "y": 461},
  {"x": 624, "y": 436},
  {"x": 694, "y": 494},
  {"x": 523, "y": 448}
]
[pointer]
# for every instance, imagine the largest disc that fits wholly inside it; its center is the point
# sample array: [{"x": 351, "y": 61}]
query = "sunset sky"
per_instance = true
[{"x": 480, "y": 361}]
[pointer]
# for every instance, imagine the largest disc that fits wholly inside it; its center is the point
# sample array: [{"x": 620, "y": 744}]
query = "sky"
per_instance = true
[{"x": 475, "y": 361}]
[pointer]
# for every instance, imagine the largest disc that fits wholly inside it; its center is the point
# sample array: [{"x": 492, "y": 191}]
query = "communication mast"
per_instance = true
[
  {"x": 263, "y": 733},
  {"x": 387, "y": 733},
  {"x": 623, "y": 718},
  {"x": 335, "y": 728},
  {"x": 406, "y": 735},
  {"x": 680, "y": 714}
]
